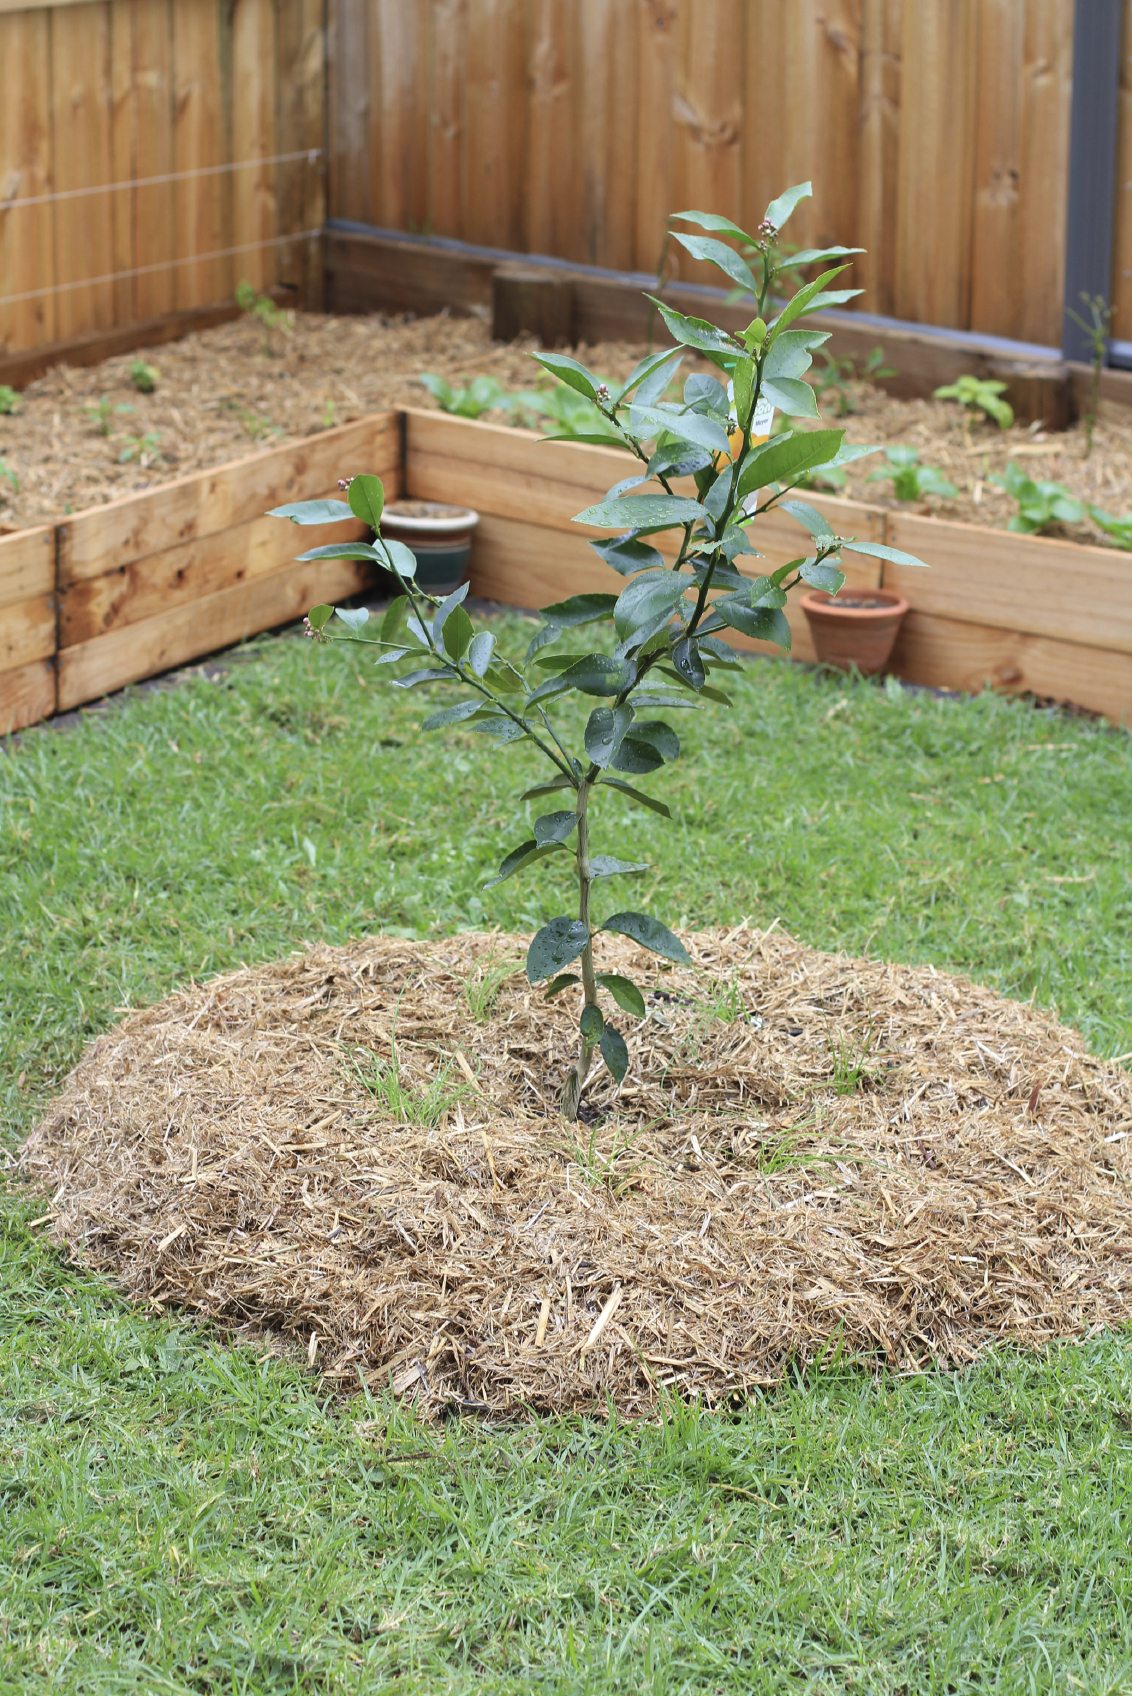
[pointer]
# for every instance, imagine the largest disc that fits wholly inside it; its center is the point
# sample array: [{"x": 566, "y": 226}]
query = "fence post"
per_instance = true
[{"x": 1092, "y": 164}]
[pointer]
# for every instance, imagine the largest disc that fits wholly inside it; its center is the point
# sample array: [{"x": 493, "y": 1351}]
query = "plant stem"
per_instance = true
[{"x": 576, "y": 1079}]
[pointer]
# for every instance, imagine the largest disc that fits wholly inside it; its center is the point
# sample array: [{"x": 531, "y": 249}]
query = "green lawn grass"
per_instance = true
[{"x": 180, "y": 1516}]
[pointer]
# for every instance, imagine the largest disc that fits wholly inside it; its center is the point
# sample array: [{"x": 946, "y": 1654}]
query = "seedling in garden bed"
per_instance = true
[
  {"x": 1096, "y": 321},
  {"x": 274, "y": 319},
  {"x": 144, "y": 377},
  {"x": 1119, "y": 529},
  {"x": 144, "y": 449},
  {"x": 1041, "y": 506},
  {"x": 8, "y": 476},
  {"x": 103, "y": 412},
  {"x": 662, "y": 642},
  {"x": 843, "y": 378},
  {"x": 9, "y": 400},
  {"x": 979, "y": 395},
  {"x": 910, "y": 480}
]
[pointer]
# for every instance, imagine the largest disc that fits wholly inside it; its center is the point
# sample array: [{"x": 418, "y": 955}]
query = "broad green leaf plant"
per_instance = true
[{"x": 678, "y": 529}]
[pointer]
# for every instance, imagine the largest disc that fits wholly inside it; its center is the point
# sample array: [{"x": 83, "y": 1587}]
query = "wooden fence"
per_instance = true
[
  {"x": 181, "y": 101},
  {"x": 936, "y": 133}
]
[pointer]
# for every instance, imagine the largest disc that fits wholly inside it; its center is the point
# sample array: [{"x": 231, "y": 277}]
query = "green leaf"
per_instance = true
[
  {"x": 647, "y": 598},
  {"x": 458, "y": 632},
  {"x": 591, "y": 1024},
  {"x": 555, "y": 827},
  {"x": 652, "y": 365},
  {"x": 646, "y": 745},
  {"x": 526, "y": 854},
  {"x": 554, "y": 946},
  {"x": 724, "y": 258},
  {"x": 626, "y": 555},
  {"x": 743, "y": 383},
  {"x": 614, "y": 1053},
  {"x": 686, "y": 659},
  {"x": 319, "y": 617},
  {"x": 396, "y": 618},
  {"x": 313, "y": 512},
  {"x": 429, "y": 675},
  {"x": 366, "y": 496},
  {"x": 877, "y": 550},
  {"x": 786, "y": 457},
  {"x": 402, "y": 561},
  {"x": 595, "y": 674},
  {"x": 804, "y": 300},
  {"x": 638, "y": 795},
  {"x": 451, "y": 715},
  {"x": 781, "y": 207},
  {"x": 569, "y": 371},
  {"x": 624, "y": 991},
  {"x": 648, "y": 422},
  {"x": 713, "y": 221},
  {"x": 651, "y": 934},
  {"x": 579, "y": 609},
  {"x": 344, "y": 550},
  {"x": 791, "y": 353},
  {"x": 499, "y": 728},
  {"x": 561, "y": 982},
  {"x": 352, "y": 617},
  {"x": 551, "y": 787},
  {"x": 695, "y": 332},
  {"x": 764, "y": 624},
  {"x": 607, "y": 865},
  {"x": 447, "y": 606},
  {"x": 815, "y": 255},
  {"x": 814, "y": 521},
  {"x": 480, "y": 651},
  {"x": 792, "y": 396},
  {"x": 642, "y": 512},
  {"x": 604, "y": 730},
  {"x": 821, "y": 574}
]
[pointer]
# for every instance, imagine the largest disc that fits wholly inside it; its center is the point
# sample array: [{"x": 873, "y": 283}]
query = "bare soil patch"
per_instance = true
[
  {"x": 223, "y": 393},
  {"x": 828, "y": 1155}
]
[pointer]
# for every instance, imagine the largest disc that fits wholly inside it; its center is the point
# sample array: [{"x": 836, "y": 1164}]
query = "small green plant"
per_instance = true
[
  {"x": 275, "y": 320},
  {"x": 612, "y": 1169},
  {"x": 144, "y": 377},
  {"x": 481, "y": 992},
  {"x": 329, "y": 416},
  {"x": 103, "y": 412},
  {"x": 1096, "y": 321},
  {"x": 9, "y": 476},
  {"x": 844, "y": 378},
  {"x": 1119, "y": 529},
  {"x": 424, "y": 1107},
  {"x": 256, "y": 425},
  {"x": 853, "y": 1069},
  {"x": 979, "y": 396},
  {"x": 482, "y": 394},
  {"x": 10, "y": 401},
  {"x": 910, "y": 480},
  {"x": 660, "y": 644},
  {"x": 144, "y": 450},
  {"x": 1041, "y": 505}
]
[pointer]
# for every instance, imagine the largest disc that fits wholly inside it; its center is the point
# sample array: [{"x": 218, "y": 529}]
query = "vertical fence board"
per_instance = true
[
  {"x": 198, "y": 139},
  {"x": 656, "y": 48},
  {"x": 448, "y": 126},
  {"x": 253, "y": 189},
  {"x": 874, "y": 270},
  {"x": 27, "y": 261},
  {"x": 81, "y": 110},
  {"x": 553, "y": 217}
]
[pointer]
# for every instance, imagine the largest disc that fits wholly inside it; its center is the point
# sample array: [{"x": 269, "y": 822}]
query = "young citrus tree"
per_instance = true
[{"x": 685, "y": 520}]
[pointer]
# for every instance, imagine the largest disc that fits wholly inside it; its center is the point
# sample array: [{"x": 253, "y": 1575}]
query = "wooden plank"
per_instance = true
[
  {"x": 552, "y": 218},
  {"x": 933, "y": 232},
  {"x": 707, "y": 112},
  {"x": 255, "y": 211},
  {"x": 396, "y": 122},
  {"x": 123, "y": 166},
  {"x": 1034, "y": 584},
  {"x": 142, "y": 650},
  {"x": 604, "y": 161},
  {"x": 656, "y": 48},
  {"x": 366, "y": 273},
  {"x": 7, "y": 6},
  {"x": 948, "y": 654},
  {"x": 27, "y": 564},
  {"x": 349, "y": 111},
  {"x": 521, "y": 564},
  {"x": 447, "y": 133},
  {"x": 26, "y": 695},
  {"x": 80, "y": 144},
  {"x": 27, "y": 258},
  {"x": 106, "y": 537},
  {"x": 188, "y": 571},
  {"x": 874, "y": 270},
  {"x": 199, "y": 140},
  {"x": 27, "y": 632},
  {"x": 494, "y": 156}
]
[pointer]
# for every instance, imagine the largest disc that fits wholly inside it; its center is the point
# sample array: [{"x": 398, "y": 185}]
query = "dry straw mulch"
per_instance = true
[{"x": 728, "y": 1213}]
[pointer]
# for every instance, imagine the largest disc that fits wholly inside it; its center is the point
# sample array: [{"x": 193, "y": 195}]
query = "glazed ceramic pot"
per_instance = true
[{"x": 440, "y": 538}]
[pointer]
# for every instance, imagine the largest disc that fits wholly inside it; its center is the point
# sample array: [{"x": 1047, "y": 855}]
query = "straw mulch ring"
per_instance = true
[{"x": 809, "y": 1153}]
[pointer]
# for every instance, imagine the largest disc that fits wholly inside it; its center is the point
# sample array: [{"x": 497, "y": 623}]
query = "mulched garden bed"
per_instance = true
[
  {"x": 224, "y": 392},
  {"x": 831, "y": 1157}
]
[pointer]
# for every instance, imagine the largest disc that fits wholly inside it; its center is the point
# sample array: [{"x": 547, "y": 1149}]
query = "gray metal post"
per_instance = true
[{"x": 1092, "y": 163}]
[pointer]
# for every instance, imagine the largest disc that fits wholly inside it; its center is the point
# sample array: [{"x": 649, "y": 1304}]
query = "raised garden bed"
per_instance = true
[{"x": 132, "y": 587}]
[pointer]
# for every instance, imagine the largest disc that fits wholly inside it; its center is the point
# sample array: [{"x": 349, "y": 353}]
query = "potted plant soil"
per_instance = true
[
  {"x": 858, "y": 627},
  {"x": 440, "y": 538}
]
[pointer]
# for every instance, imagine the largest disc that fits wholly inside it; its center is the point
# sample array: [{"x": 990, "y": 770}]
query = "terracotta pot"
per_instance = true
[
  {"x": 440, "y": 537},
  {"x": 858, "y": 627}
]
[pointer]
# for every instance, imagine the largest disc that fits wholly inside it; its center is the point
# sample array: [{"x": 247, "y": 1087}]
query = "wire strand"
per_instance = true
[
  {"x": 161, "y": 265},
  {"x": 310, "y": 154}
]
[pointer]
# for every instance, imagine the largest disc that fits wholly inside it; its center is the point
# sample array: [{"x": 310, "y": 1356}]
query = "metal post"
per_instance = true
[{"x": 1092, "y": 163}]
